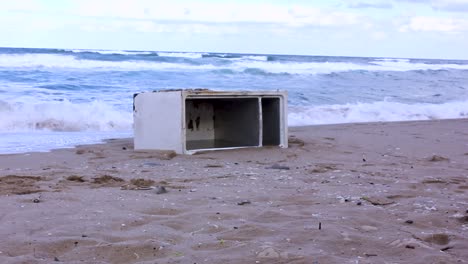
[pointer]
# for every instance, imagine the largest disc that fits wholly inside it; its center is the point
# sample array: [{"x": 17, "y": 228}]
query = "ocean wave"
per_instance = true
[
  {"x": 111, "y": 52},
  {"x": 62, "y": 116},
  {"x": 236, "y": 57},
  {"x": 100, "y": 116},
  {"x": 375, "y": 112},
  {"x": 393, "y": 60},
  {"x": 312, "y": 68},
  {"x": 51, "y": 61},
  {"x": 294, "y": 67},
  {"x": 261, "y": 63},
  {"x": 255, "y": 57},
  {"x": 222, "y": 55},
  {"x": 408, "y": 65},
  {"x": 190, "y": 55}
]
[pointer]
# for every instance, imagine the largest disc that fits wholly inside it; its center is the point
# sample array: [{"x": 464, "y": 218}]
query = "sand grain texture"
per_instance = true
[{"x": 353, "y": 193}]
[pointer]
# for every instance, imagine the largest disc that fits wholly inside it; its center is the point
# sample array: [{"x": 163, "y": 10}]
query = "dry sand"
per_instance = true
[{"x": 353, "y": 193}]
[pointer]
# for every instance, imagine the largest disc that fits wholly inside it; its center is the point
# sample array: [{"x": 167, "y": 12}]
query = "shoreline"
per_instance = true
[
  {"x": 344, "y": 193},
  {"x": 107, "y": 140}
]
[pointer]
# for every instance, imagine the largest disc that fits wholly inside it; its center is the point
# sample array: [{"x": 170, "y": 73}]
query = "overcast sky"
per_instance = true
[{"x": 392, "y": 28}]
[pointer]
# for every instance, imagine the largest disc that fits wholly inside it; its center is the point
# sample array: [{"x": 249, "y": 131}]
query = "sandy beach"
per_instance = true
[{"x": 351, "y": 193}]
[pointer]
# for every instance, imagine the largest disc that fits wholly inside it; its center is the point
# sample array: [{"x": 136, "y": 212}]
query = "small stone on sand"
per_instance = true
[
  {"x": 244, "y": 202},
  {"x": 277, "y": 167},
  {"x": 160, "y": 190},
  {"x": 367, "y": 228}
]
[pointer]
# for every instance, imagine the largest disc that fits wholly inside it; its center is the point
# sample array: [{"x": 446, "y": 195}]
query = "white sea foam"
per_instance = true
[
  {"x": 62, "y": 116},
  {"x": 239, "y": 65},
  {"x": 111, "y": 52},
  {"x": 297, "y": 68},
  {"x": 100, "y": 116},
  {"x": 406, "y": 65},
  {"x": 330, "y": 67},
  {"x": 375, "y": 112},
  {"x": 255, "y": 58},
  {"x": 247, "y": 58},
  {"x": 42, "y": 126},
  {"x": 393, "y": 59},
  {"x": 70, "y": 62},
  {"x": 191, "y": 55},
  {"x": 65, "y": 61}
]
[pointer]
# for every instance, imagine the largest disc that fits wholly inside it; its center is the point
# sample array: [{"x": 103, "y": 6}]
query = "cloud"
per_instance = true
[
  {"x": 213, "y": 12},
  {"x": 379, "y": 35},
  {"x": 189, "y": 18},
  {"x": 442, "y": 5},
  {"x": 144, "y": 26},
  {"x": 383, "y": 5},
  {"x": 22, "y": 6},
  {"x": 415, "y": 1},
  {"x": 451, "y": 6},
  {"x": 435, "y": 24}
]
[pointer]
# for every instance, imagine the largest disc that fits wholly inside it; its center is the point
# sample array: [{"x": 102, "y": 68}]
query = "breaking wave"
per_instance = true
[
  {"x": 100, "y": 116},
  {"x": 111, "y": 52},
  {"x": 197, "y": 62},
  {"x": 192, "y": 55},
  {"x": 63, "y": 116},
  {"x": 382, "y": 111}
]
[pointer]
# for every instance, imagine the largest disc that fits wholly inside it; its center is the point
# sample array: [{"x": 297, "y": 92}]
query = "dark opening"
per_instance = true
[
  {"x": 271, "y": 121},
  {"x": 221, "y": 123}
]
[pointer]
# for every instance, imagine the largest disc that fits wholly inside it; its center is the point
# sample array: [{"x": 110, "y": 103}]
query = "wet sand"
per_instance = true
[{"x": 353, "y": 193}]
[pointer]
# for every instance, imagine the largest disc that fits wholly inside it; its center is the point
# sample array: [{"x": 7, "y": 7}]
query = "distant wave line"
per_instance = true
[{"x": 241, "y": 65}]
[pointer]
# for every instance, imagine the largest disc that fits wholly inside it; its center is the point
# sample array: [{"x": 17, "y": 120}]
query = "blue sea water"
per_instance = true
[{"x": 54, "y": 98}]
